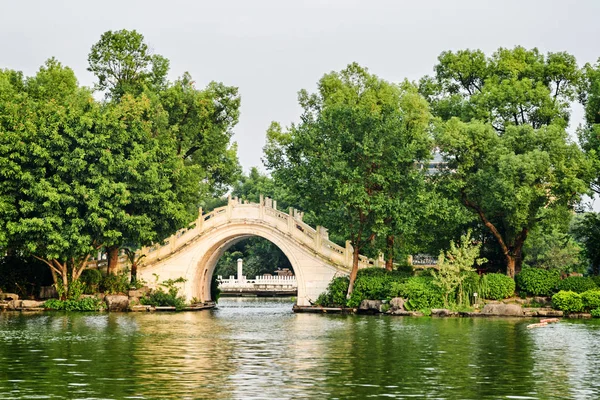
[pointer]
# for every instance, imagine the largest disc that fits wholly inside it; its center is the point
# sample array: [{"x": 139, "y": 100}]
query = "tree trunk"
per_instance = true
[
  {"x": 354, "y": 271},
  {"x": 133, "y": 272},
  {"x": 389, "y": 262},
  {"x": 510, "y": 266},
  {"x": 113, "y": 260}
]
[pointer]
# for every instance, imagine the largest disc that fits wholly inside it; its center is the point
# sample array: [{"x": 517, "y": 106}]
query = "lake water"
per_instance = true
[{"x": 259, "y": 349}]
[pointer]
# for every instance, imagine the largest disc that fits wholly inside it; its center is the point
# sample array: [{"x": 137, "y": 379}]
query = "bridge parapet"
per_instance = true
[{"x": 265, "y": 212}]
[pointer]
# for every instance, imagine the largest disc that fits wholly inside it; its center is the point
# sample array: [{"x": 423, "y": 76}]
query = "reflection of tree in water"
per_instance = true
[{"x": 260, "y": 257}]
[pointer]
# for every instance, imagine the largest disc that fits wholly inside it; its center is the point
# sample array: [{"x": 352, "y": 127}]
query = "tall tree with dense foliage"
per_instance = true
[
  {"x": 176, "y": 153},
  {"x": 359, "y": 139},
  {"x": 504, "y": 139},
  {"x": 55, "y": 201}
]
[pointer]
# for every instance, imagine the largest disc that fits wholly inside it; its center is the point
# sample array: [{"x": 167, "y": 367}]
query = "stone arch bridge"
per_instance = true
[{"x": 193, "y": 252}]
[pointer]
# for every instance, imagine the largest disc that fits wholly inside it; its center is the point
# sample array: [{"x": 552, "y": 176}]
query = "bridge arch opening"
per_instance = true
[
  {"x": 207, "y": 264},
  {"x": 253, "y": 265}
]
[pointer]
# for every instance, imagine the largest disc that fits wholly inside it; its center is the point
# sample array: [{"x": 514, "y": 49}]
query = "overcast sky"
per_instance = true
[{"x": 272, "y": 49}]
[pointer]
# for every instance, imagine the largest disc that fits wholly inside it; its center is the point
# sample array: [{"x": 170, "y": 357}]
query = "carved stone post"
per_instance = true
[
  {"x": 348, "y": 254},
  {"x": 229, "y": 207},
  {"x": 291, "y": 220},
  {"x": 261, "y": 208}
]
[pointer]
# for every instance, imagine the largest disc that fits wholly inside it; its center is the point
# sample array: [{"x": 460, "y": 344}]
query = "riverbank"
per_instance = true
[{"x": 395, "y": 307}]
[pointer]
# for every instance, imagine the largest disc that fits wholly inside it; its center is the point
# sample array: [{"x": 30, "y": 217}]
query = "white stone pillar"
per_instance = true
[{"x": 240, "y": 273}]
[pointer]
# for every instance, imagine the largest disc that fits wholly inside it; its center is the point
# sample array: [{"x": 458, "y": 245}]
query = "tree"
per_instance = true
[
  {"x": 509, "y": 180},
  {"x": 201, "y": 123},
  {"x": 551, "y": 244},
  {"x": 141, "y": 159},
  {"x": 171, "y": 145},
  {"x": 454, "y": 264},
  {"x": 503, "y": 137},
  {"x": 55, "y": 203},
  {"x": 123, "y": 63},
  {"x": 589, "y": 133},
  {"x": 358, "y": 137},
  {"x": 586, "y": 230}
]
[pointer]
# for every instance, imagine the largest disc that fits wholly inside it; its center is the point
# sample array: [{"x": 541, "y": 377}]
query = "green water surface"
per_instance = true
[{"x": 259, "y": 349}]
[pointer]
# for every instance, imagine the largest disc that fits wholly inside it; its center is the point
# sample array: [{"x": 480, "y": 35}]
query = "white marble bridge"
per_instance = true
[{"x": 193, "y": 253}]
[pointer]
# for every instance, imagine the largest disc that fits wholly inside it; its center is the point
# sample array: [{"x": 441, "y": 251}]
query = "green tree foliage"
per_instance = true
[
  {"x": 260, "y": 257},
  {"x": 123, "y": 63},
  {"x": 201, "y": 122},
  {"x": 504, "y": 138},
  {"x": 589, "y": 133},
  {"x": 171, "y": 146},
  {"x": 586, "y": 230},
  {"x": 55, "y": 200},
  {"x": 550, "y": 244},
  {"x": 255, "y": 184},
  {"x": 351, "y": 160},
  {"x": 79, "y": 175},
  {"x": 454, "y": 265},
  {"x": 511, "y": 180}
]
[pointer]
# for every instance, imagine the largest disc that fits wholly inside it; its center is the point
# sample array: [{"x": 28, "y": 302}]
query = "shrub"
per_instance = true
[
  {"x": 170, "y": 297},
  {"x": 538, "y": 281},
  {"x": 577, "y": 284},
  {"x": 591, "y": 299},
  {"x": 498, "y": 286},
  {"x": 596, "y": 279},
  {"x": 92, "y": 279},
  {"x": 113, "y": 284},
  {"x": 374, "y": 284},
  {"x": 595, "y": 313},
  {"x": 335, "y": 295},
  {"x": 567, "y": 301},
  {"x": 85, "y": 304},
  {"x": 420, "y": 292},
  {"x": 471, "y": 284}
]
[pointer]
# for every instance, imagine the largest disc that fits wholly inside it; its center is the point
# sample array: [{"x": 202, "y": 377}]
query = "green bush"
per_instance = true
[
  {"x": 538, "y": 281},
  {"x": 596, "y": 279},
  {"x": 114, "y": 284},
  {"x": 591, "y": 299},
  {"x": 335, "y": 295},
  {"x": 567, "y": 301},
  {"x": 595, "y": 313},
  {"x": 85, "y": 304},
  {"x": 577, "y": 284},
  {"x": 470, "y": 285},
  {"x": 498, "y": 286},
  {"x": 374, "y": 284},
  {"x": 420, "y": 291},
  {"x": 170, "y": 297},
  {"x": 92, "y": 279}
]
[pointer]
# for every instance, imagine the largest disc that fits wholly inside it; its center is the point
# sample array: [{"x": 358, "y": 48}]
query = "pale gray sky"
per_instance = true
[{"x": 272, "y": 49}]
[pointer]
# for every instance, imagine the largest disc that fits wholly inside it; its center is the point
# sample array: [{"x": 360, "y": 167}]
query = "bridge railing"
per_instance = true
[
  {"x": 266, "y": 211},
  {"x": 232, "y": 282}
]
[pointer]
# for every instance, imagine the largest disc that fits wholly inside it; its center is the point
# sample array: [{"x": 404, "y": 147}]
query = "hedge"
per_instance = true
[{"x": 538, "y": 281}]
